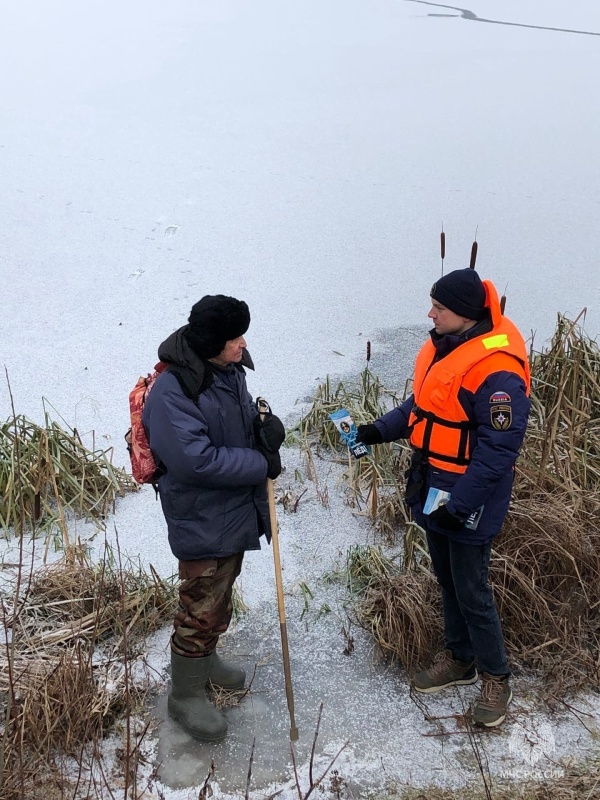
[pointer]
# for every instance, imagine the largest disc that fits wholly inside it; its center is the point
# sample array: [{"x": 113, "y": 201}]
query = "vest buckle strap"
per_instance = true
[{"x": 463, "y": 425}]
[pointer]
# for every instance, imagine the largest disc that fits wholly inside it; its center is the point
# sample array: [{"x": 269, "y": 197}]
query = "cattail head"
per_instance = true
[
  {"x": 502, "y": 303},
  {"x": 368, "y": 351},
  {"x": 443, "y": 244},
  {"x": 473, "y": 255}
]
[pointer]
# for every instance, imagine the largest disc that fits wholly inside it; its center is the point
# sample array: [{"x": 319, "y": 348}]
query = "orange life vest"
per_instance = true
[{"x": 440, "y": 425}]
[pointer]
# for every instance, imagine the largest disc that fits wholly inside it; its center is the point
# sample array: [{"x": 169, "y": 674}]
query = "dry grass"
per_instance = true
[
  {"x": 545, "y": 567},
  {"x": 404, "y": 616},
  {"x": 76, "y": 599},
  {"x": 46, "y": 473},
  {"x": 372, "y": 482},
  {"x": 546, "y": 579},
  {"x": 364, "y": 399},
  {"x": 77, "y": 629},
  {"x": 546, "y": 576},
  {"x": 68, "y": 671},
  {"x": 562, "y": 450}
]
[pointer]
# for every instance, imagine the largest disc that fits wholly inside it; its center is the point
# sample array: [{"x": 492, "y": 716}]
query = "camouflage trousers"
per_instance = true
[{"x": 205, "y": 605}]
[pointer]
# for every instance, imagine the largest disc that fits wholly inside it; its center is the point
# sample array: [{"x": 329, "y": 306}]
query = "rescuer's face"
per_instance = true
[{"x": 446, "y": 321}]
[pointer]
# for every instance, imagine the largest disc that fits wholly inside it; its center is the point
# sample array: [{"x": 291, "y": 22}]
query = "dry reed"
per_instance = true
[
  {"x": 56, "y": 475},
  {"x": 372, "y": 482},
  {"x": 545, "y": 567},
  {"x": 65, "y": 674}
]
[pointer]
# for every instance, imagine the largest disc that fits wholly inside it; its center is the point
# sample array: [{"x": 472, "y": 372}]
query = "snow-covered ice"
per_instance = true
[{"x": 302, "y": 157}]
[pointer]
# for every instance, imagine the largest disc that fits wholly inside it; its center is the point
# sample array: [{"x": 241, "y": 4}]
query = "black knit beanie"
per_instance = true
[
  {"x": 215, "y": 320},
  {"x": 462, "y": 292}
]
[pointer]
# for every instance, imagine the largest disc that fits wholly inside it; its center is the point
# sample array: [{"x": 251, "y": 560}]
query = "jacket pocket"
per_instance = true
[
  {"x": 443, "y": 389},
  {"x": 442, "y": 479},
  {"x": 178, "y": 504}
]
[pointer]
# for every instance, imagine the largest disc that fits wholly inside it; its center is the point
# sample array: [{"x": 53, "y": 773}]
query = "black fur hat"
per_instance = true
[
  {"x": 462, "y": 292},
  {"x": 215, "y": 320}
]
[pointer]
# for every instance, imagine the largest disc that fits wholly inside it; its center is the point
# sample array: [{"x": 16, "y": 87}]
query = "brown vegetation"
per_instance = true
[
  {"x": 76, "y": 631},
  {"x": 47, "y": 473},
  {"x": 545, "y": 566}
]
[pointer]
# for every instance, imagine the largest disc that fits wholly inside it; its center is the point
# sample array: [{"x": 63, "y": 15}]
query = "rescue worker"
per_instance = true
[
  {"x": 465, "y": 420},
  {"x": 216, "y": 455}
]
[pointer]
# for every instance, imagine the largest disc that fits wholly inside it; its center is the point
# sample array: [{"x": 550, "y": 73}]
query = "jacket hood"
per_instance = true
[{"x": 193, "y": 373}]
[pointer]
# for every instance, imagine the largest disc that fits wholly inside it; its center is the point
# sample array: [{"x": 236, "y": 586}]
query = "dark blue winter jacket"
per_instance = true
[
  {"x": 213, "y": 492},
  {"x": 488, "y": 478}
]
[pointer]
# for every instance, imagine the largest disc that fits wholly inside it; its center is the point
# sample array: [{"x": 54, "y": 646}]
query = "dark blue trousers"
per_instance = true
[{"x": 471, "y": 623}]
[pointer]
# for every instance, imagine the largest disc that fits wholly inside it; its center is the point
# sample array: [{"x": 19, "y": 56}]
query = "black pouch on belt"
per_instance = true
[{"x": 415, "y": 476}]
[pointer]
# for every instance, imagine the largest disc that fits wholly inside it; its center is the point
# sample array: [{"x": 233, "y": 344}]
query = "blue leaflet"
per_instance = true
[
  {"x": 347, "y": 430},
  {"x": 437, "y": 497}
]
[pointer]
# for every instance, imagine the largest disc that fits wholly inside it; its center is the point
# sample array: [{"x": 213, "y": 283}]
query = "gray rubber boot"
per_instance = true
[
  {"x": 226, "y": 675},
  {"x": 188, "y": 703}
]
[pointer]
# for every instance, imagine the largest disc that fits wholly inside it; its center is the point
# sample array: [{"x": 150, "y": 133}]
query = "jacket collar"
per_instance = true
[{"x": 446, "y": 343}]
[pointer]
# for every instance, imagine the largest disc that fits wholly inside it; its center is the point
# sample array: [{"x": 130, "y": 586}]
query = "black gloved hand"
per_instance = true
[
  {"x": 444, "y": 519},
  {"x": 369, "y": 434},
  {"x": 269, "y": 432},
  {"x": 273, "y": 463}
]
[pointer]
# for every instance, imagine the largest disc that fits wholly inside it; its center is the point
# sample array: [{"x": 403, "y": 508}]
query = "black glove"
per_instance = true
[
  {"x": 269, "y": 432},
  {"x": 369, "y": 434},
  {"x": 273, "y": 463},
  {"x": 444, "y": 519}
]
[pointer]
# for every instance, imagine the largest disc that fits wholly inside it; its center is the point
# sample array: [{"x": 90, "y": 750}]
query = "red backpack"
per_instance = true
[{"x": 143, "y": 466}]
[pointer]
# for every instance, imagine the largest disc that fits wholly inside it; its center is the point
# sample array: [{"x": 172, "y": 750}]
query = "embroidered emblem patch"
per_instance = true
[
  {"x": 501, "y": 417},
  {"x": 500, "y": 397}
]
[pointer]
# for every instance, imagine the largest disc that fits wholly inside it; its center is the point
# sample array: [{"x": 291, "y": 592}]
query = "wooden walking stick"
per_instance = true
[{"x": 263, "y": 409}]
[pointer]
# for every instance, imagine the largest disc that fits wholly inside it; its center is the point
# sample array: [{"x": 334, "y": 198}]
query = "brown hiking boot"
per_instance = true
[
  {"x": 445, "y": 671},
  {"x": 490, "y": 709}
]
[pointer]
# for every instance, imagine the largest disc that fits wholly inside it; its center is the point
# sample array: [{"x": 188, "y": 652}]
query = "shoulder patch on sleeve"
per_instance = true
[
  {"x": 500, "y": 397},
  {"x": 501, "y": 417}
]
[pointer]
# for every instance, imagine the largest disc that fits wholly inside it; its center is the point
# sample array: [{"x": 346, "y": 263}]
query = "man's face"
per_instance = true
[
  {"x": 446, "y": 321},
  {"x": 231, "y": 353}
]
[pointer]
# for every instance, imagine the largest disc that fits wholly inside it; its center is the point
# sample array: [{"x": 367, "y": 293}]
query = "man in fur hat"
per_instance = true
[
  {"x": 465, "y": 420},
  {"x": 216, "y": 455}
]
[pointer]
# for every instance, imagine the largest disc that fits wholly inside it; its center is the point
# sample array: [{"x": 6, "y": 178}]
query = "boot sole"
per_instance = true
[
  {"x": 197, "y": 738},
  {"x": 496, "y": 722},
  {"x": 460, "y": 682}
]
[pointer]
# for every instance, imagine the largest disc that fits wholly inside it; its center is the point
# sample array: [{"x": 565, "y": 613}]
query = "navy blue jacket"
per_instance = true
[
  {"x": 213, "y": 493},
  {"x": 489, "y": 476}
]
